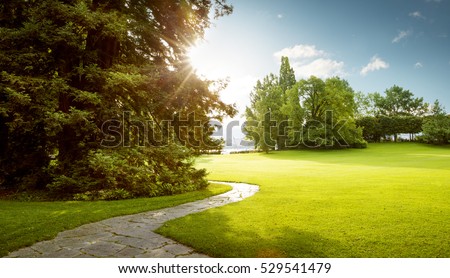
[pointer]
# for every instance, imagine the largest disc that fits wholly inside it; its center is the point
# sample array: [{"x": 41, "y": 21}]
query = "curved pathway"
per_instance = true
[{"x": 131, "y": 235}]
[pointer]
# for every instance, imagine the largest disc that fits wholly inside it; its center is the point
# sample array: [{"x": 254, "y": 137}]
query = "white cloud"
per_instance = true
[
  {"x": 401, "y": 35},
  {"x": 417, "y": 15},
  {"x": 321, "y": 67},
  {"x": 300, "y": 51},
  {"x": 307, "y": 60},
  {"x": 280, "y": 16},
  {"x": 375, "y": 64},
  {"x": 418, "y": 65}
]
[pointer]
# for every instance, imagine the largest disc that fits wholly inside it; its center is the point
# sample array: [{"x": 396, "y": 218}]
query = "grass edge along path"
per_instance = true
[
  {"x": 25, "y": 223},
  {"x": 390, "y": 200}
]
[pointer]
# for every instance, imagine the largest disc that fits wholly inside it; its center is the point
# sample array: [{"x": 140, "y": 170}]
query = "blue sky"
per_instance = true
[{"x": 372, "y": 44}]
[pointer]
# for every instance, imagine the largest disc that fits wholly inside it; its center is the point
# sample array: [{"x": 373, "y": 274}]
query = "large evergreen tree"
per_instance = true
[{"x": 80, "y": 77}]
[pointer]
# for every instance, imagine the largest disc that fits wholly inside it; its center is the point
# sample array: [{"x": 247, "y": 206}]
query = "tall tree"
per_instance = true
[
  {"x": 268, "y": 121},
  {"x": 317, "y": 113},
  {"x": 70, "y": 67},
  {"x": 287, "y": 75},
  {"x": 286, "y": 82},
  {"x": 329, "y": 108},
  {"x": 265, "y": 106},
  {"x": 364, "y": 104}
]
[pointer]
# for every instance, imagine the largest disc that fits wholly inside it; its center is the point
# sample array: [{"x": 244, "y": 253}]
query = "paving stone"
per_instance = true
[
  {"x": 46, "y": 247},
  {"x": 26, "y": 252},
  {"x": 157, "y": 253},
  {"x": 95, "y": 237},
  {"x": 65, "y": 252},
  {"x": 178, "y": 249},
  {"x": 103, "y": 249},
  {"x": 72, "y": 243},
  {"x": 129, "y": 252},
  {"x": 142, "y": 233}
]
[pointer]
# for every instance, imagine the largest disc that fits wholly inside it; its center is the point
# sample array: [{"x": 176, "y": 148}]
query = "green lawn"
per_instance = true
[
  {"x": 24, "y": 223},
  {"x": 389, "y": 200}
]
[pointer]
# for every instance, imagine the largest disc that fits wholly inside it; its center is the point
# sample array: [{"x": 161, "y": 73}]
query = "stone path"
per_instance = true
[{"x": 130, "y": 236}]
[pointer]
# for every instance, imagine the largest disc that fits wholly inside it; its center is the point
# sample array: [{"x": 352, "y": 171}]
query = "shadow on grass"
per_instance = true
[{"x": 216, "y": 236}]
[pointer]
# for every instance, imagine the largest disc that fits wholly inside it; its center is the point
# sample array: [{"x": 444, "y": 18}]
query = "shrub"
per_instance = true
[{"x": 128, "y": 173}]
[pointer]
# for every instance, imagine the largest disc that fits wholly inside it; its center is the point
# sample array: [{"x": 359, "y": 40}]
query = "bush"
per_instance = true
[
  {"x": 107, "y": 194},
  {"x": 129, "y": 173},
  {"x": 436, "y": 130}
]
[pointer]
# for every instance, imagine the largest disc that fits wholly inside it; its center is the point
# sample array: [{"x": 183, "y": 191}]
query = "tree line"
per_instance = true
[
  {"x": 384, "y": 117},
  {"x": 70, "y": 70},
  {"x": 316, "y": 113}
]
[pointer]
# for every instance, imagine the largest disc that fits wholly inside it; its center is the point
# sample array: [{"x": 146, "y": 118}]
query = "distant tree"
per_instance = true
[
  {"x": 371, "y": 128},
  {"x": 287, "y": 75},
  {"x": 295, "y": 112},
  {"x": 267, "y": 105},
  {"x": 399, "y": 102},
  {"x": 364, "y": 104},
  {"x": 286, "y": 82},
  {"x": 323, "y": 114},
  {"x": 403, "y": 110},
  {"x": 436, "y": 128}
]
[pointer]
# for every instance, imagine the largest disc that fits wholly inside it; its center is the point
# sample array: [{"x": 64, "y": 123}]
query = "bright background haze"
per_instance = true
[{"x": 372, "y": 44}]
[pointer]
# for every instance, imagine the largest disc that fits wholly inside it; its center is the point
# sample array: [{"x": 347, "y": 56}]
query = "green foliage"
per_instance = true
[
  {"x": 107, "y": 195},
  {"x": 310, "y": 113},
  {"x": 266, "y": 102},
  {"x": 69, "y": 67},
  {"x": 374, "y": 128},
  {"x": 110, "y": 174},
  {"x": 322, "y": 114},
  {"x": 436, "y": 128},
  {"x": 399, "y": 102},
  {"x": 389, "y": 115},
  {"x": 371, "y": 128},
  {"x": 331, "y": 103},
  {"x": 268, "y": 122}
]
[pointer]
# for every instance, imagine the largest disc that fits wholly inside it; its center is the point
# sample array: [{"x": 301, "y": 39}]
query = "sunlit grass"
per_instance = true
[
  {"x": 390, "y": 200},
  {"x": 24, "y": 223}
]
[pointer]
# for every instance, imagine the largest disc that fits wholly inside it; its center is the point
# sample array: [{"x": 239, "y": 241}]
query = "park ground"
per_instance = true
[{"x": 389, "y": 200}]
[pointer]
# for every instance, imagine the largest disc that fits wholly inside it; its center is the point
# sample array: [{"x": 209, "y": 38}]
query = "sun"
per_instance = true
[{"x": 207, "y": 62}]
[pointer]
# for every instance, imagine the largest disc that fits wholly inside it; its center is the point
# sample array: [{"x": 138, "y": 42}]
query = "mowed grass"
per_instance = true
[
  {"x": 389, "y": 200},
  {"x": 24, "y": 223}
]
